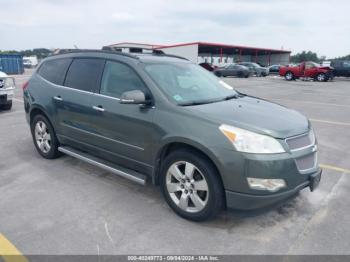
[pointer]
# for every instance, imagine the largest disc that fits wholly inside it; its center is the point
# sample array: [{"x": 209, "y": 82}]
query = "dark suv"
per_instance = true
[{"x": 163, "y": 118}]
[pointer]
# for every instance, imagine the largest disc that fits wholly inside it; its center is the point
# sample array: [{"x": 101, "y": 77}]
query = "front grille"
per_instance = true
[
  {"x": 2, "y": 83},
  {"x": 306, "y": 162},
  {"x": 302, "y": 141}
]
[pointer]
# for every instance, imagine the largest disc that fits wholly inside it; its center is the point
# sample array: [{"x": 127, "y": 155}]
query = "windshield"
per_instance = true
[{"x": 188, "y": 84}]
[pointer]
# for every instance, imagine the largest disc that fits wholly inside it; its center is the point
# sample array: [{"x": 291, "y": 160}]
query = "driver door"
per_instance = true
[
  {"x": 123, "y": 131},
  {"x": 310, "y": 70}
]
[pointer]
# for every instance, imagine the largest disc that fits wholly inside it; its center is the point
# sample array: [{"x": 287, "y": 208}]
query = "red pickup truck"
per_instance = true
[{"x": 307, "y": 70}]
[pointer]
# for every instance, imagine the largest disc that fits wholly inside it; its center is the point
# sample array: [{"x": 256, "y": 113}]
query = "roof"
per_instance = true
[{"x": 219, "y": 45}]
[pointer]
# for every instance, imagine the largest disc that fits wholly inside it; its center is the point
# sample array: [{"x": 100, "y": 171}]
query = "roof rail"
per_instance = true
[
  {"x": 69, "y": 51},
  {"x": 118, "y": 49},
  {"x": 114, "y": 50},
  {"x": 153, "y": 51}
]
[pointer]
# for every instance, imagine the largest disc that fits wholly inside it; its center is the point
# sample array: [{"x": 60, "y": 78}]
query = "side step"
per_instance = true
[{"x": 106, "y": 165}]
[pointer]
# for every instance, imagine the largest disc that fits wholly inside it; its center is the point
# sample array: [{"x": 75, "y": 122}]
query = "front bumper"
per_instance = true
[
  {"x": 6, "y": 95},
  {"x": 243, "y": 201}
]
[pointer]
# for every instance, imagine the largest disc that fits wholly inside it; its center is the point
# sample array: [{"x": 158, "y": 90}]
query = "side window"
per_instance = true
[
  {"x": 55, "y": 70},
  {"x": 119, "y": 78},
  {"x": 85, "y": 74}
]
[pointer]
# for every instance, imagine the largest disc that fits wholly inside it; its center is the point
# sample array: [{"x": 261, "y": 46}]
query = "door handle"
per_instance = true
[
  {"x": 58, "y": 98},
  {"x": 98, "y": 108}
]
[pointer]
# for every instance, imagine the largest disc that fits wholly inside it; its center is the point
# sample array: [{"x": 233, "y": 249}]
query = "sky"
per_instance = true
[{"x": 316, "y": 25}]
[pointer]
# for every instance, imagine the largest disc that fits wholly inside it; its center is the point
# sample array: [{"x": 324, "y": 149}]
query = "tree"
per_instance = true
[
  {"x": 39, "y": 52},
  {"x": 304, "y": 56},
  {"x": 347, "y": 57}
]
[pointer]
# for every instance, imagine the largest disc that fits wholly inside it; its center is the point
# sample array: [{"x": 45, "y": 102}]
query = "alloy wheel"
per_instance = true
[
  {"x": 187, "y": 186},
  {"x": 42, "y": 137},
  {"x": 321, "y": 77}
]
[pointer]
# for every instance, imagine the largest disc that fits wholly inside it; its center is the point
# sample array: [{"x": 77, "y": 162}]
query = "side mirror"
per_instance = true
[{"x": 136, "y": 97}]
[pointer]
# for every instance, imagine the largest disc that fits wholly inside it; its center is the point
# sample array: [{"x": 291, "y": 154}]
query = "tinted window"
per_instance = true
[
  {"x": 55, "y": 70},
  {"x": 119, "y": 78},
  {"x": 85, "y": 74}
]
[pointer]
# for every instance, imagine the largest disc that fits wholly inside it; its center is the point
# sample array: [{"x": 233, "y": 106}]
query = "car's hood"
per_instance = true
[{"x": 255, "y": 115}]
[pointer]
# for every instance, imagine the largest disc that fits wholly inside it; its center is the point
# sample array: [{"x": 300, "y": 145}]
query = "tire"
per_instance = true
[
  {"x": 240, "y": 74},
  {"x": 184, "y": 197},
  {"x": 289, "y": 76},
  {"x": 218, "y": 74},
  {"x": 321, "y": 77},
  {"x": 7, "y": 106},
  {"x": 44, "y": 137}
]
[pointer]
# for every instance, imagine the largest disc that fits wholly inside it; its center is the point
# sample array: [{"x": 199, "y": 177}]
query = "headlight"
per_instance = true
[{"x": 250, "y": 142}]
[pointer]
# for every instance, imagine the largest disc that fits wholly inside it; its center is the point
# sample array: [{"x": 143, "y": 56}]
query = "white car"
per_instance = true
[{"x": 7, "y": 87}]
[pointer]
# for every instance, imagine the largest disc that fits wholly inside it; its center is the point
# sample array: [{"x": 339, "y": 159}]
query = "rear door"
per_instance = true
[
  {"x": 73, "y": 101},
  {"x": 124, "y": 130}
]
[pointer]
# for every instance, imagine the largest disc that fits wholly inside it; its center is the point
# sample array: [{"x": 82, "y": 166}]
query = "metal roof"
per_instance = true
[{"x": 227, "y": 46}]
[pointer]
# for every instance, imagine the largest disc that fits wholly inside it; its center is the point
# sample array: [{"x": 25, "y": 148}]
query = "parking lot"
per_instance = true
[{"x": 65, "y": 206}]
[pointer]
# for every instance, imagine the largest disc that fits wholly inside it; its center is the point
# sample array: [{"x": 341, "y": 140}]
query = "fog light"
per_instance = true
[{"x": 271, "y": 185}]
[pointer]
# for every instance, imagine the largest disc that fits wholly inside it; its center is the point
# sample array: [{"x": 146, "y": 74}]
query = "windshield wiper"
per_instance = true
[
  {"x": 195, "y": 103},
  {"x": 234, "y": 96}
]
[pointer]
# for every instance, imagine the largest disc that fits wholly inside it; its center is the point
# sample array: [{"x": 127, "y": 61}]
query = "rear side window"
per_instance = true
[
  {"x": 119, "y": 78},
  {"x": 85, "y": 74},
  {"x": 55, "y": 70}
]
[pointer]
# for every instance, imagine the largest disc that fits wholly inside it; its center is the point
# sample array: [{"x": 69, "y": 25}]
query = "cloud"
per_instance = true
[{"x": 321, "y": 26}]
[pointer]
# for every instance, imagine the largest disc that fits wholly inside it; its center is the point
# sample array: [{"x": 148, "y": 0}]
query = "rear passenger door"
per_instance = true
[
  {"x": 73, "y": 101},
  {"x": 123, "y": 130}
]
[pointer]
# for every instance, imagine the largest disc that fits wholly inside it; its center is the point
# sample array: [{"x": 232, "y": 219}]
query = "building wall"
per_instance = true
[
  {"x": 262, "y": 59},
  {"x": 188, "y": 51}
]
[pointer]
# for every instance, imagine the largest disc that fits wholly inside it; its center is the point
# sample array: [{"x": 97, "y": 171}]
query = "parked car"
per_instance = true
[
  {"x": 30, "y": 61},
  {"x": 232, "y": 70},
  {"x": 162, "y": 118},
  {"x": 256, "y": 69},
  {"x": 274, "y": 69},
  {"x": 208, "y": 66},
  {"x": 341, "y": 68},
  {"x": 307, "y": 70},
  {"x": 7, "y": 86}
]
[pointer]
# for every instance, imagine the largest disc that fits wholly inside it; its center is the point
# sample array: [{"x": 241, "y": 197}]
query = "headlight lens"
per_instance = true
[{"x": 250, "y": 142}]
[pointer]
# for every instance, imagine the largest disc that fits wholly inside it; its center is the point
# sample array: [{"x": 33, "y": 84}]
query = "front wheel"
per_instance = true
[
  {"x": 44, "y": 137},
  {"x": 191, "y": 186},
  {"x": 321, "y": 77}
]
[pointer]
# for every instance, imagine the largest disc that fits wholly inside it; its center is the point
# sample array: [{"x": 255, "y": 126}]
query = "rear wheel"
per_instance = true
[
  {"x": 44, "y": 137},
  {"x": 289, "y": 76},
  {"x": 191, "y": 186}
]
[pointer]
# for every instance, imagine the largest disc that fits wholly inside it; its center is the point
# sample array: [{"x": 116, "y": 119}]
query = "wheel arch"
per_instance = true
[
  {"x": 37, "y": 109},
  {"x": 173, "y": 145}
]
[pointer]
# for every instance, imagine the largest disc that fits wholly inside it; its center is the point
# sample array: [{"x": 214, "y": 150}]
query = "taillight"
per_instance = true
[{"x": 25, "y": 85}]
